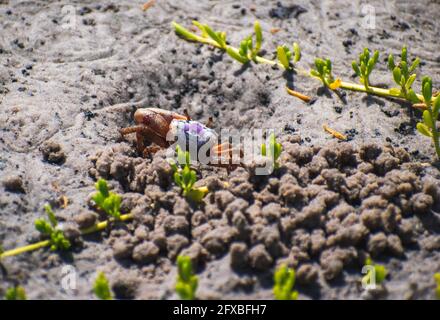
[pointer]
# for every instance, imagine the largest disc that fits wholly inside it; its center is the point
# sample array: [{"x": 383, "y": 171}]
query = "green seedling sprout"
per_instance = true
[
  {"x": 274, "y": 151},
  {"x": 247, "y": 50},
  {"x": 187, "y": 282},
  {"x": 15, "y": 293},
  {"x": 404, "y": 76},
  {"x": 284, "y": 279},
  {"x": 56, "y": 238},
  {"x": 428, "y": 126},
  {"x": 365, "y": 66},
  {"x": 437, "y": 281},
  {"x": 323, "y": 72},
  {"x": 284, "y": 55},
  {"x": 101, "y": 287},
  {"x": 379, "y": 270},
  {"x": 186, "y": 178},
  {"x": 49, "y": 228},
  {"x": 108, "y": 201}
]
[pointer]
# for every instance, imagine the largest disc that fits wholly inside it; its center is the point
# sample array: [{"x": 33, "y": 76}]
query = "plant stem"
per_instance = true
[
  {"x": 31, "y": 247},
  {"x": 103, "y": 224},
  {"x": 372, "y": 90},
  {"x": 435, "y": 133},
  {"x": 435, "y": 137},
  {"x": 35, "y": 246},
  {"x": 366, "y": 83},
  {"x": 387, "y": 93}
]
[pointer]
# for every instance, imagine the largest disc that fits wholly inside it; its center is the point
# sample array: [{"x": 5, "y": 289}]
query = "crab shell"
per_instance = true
[{"x": 174, "y": 127}]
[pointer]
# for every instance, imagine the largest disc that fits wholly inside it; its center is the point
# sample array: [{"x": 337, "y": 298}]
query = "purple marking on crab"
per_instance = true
[{"x": 193, "y": 127}]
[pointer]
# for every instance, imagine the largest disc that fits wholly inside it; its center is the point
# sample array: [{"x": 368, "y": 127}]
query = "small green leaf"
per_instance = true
[
  {"x": 320, "y": 64},
  {"x": 101, "y": 287},
  {"x": 258, "y": 36},
  {"x": 297, "y": 52},
  {"x": 437, "y": 281},
  {"x": 314, "y": 73},
  {"x": 214, "y": 36},
  {"x": 185, "y": 33},
  {"x": 410, "y": 81},
  {"x": 15, "y": 293},
  {"x": 404, "y": 55},
  {"x": 243, "y": 48},
  {"x": 173, "y": 165},
  {"x": 397, "y": 75},
  {"x": 370, "y": 66},
  {"x": 196, "y": 195},
  {"x": 423, "y": 129},
  {"x": 395, "y": 91},
  {"x": 427, "y": 89},
  {"x": 391, "y": 64},
  {"x": 263, "y": 150},
  {"x": 250, "y": 45},
  {"x": 363, "y": 68},
  {"x": 282, "y": 57},
  {"x": 178, "y": 179},
  {"x": 186, "y": 177},
  {"x": 107, "y": 201},
  {"x": 56, "y": 237},
  {"x": 235, "y": 55},
  {"x": 284, "y": 281},
  {"x": 187, "y": 282},
  {"x": 404, "y": 69},
  {"x": 183, "y": 157},
  {"x": 201, "y": 28},
  {"x": 427, "y": 119},
  {"x": 414, "y": 65},
  {"x": 274, "y": 150},
  {"x": 381, "y": 273},
  {"x": 328, "y": 65},
  {"x": 58, "y": 241},
  {"x": 411, "y": 96},
  {"x": 436, "y": 107},
  {"x": 366, "y": 55},
  {"x": 51, "y": 215},
  {"x": 43, "y": 226},
  {"x": 101, "y": 186},
  {"x": 379, "y": 270},
  {"x": 375, "y": 56},
  {"x": 356, "y": 68}
]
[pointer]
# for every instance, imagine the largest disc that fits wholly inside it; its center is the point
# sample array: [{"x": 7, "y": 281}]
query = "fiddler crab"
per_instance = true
[{"x": 162, "y": 128}]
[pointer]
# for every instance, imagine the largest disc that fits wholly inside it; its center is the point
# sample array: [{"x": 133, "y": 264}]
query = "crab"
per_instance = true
[{"x": 155, "y": 126}]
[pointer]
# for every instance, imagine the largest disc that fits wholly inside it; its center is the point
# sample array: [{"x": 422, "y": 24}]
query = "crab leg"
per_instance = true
[{"x": 144, "y": 132}]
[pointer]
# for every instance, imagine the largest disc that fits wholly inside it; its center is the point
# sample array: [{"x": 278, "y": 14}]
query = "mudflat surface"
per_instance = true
[{"x": 73, "y": 72}]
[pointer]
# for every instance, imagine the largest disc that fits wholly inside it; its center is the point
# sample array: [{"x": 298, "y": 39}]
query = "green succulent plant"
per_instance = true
[
  {"x": 380, "y": 272},
  {"x": 273, "y": 150},
  {"x": 365, "y": 66},
  {"x": 186, "y": 178},
  {"x": 187, "y": 282},
  {"x": 428, "y": 126},
  {"x": 288, "y": 57},
  {"x": 49, "y": 228},
  {"x": 284, "y": 281},
  {"x": 106, "y": 200},
  {"x": 16, "y": 293},
  {"x": 101, "y": 287},
  {"x": 404, "y": 75}
]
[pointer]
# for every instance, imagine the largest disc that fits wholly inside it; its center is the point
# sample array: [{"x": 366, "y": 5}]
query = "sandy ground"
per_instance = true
[{"x": 73, "y": 72}]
